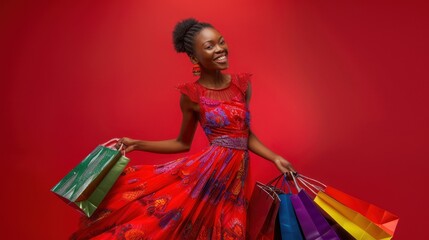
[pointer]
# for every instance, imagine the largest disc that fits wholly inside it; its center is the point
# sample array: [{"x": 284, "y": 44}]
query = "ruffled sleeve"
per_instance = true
[
  {"x": 243, "y": 80},
  {"x": 190, "y": 90}
]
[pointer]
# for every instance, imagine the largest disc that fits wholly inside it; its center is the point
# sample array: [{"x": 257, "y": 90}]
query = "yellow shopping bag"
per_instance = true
[{"x": 353, "y": 222}]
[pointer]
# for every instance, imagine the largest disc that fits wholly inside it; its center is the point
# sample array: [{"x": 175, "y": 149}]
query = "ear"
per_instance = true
[{"x": 193, "y": 59}]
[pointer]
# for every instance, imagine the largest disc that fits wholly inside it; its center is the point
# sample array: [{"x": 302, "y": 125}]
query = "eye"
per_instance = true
[
  {"x": 222, "y": 42},
  {"x": 209, "y": 46}
]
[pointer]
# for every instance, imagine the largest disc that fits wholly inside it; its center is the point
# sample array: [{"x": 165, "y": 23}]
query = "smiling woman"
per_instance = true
[
  {"x": 199, "y": 196},
  {"x": 339, "y": 87}
]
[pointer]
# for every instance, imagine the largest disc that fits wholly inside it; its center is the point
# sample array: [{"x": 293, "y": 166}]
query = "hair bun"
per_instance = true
[{"x": 180, "y": 31}]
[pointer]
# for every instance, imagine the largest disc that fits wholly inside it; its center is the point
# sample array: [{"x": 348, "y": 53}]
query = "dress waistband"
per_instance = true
[{"x": 229, "y": 142}]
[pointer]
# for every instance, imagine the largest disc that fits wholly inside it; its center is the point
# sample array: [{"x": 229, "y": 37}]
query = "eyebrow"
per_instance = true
[{"x": 211, "y": 40}]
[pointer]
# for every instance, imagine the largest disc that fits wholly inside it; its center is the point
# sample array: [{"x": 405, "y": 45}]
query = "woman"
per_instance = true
[{"x": 201, "y": 196}]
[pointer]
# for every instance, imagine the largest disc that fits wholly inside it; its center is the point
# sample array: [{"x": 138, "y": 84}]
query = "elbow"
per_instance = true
[{"x": 185, "y": 147}]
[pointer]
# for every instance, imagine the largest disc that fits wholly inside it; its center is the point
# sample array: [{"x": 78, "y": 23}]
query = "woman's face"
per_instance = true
[{"x": 211, "y": 50}]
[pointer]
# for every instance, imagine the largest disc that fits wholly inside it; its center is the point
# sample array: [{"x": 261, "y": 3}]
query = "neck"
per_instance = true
[{"x": 212, "y": 78}]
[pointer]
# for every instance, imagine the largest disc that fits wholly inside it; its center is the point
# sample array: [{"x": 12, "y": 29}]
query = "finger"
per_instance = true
[
  {"x": 292, "y": 171},
  {"x": 290, "y": 167},
  {"x": 129, "y": 149},
  {"x": 285, "y": 170},
  {"x": 289, "y": 176},
  {"x": 119, "y": 145}
]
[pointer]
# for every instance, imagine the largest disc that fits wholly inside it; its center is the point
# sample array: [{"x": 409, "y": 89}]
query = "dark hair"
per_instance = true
[{"x": 184, "y": 33}]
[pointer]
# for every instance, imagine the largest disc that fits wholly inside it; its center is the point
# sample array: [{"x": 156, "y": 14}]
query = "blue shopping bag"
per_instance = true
[{"x": 289, "y": 225}]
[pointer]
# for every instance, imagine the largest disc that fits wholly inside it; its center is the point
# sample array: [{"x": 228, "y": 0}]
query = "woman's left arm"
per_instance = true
[{"x": 257, "y": 147}]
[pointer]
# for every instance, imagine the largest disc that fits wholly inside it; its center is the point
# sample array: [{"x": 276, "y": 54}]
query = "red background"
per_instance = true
[{"x": 340, "y": 89}]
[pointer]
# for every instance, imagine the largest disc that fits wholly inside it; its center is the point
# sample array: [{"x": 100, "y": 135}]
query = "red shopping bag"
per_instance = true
[
  {"x": 262, "y": 212},
  {"x": 384, "y": 219}
]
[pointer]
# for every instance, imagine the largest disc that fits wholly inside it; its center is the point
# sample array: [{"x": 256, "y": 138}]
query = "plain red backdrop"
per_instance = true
[{"x": 339, "y": 88}]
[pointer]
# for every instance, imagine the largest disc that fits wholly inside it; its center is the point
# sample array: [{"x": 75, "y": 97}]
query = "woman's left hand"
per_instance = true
[{"x": 283, "y": 165}]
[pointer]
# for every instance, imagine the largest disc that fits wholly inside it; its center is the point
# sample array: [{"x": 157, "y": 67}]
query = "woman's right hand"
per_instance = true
[{"x": 127, "y": 144}]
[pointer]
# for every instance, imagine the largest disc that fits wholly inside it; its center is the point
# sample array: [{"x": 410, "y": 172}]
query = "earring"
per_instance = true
[{"x": 196, "y": 70}]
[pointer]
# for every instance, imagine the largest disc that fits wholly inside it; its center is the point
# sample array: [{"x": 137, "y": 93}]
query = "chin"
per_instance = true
[
  {"x": 218, "y": 67},
  {"x": 224, "y": 67}
]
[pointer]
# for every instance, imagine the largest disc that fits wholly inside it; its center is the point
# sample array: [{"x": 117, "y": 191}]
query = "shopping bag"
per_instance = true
[
  {"x": 85, "y": 186},
  {"x": 355, "y": 223},
  {"x": 343, "y": 234},
  {"x": 382, "y": 218},
  {"x": 91, "y": 204},
  {"x": 310, "y": 218},
  {"x": 359, "y": 218},
  {"x": 262, "y": 212},
  {"x": 288, "y": 223}
]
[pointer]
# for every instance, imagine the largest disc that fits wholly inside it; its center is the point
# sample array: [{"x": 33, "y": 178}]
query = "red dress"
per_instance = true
[{"x": 200, "y": 196}]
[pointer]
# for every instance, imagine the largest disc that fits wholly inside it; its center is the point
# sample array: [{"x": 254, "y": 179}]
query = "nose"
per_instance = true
[{"x": 219, "y": 48}]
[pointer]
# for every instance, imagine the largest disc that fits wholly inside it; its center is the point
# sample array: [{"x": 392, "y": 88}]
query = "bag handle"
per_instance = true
[
  {"x": 316, "y": 187},
  {"x": 112, "y": 142},
  {"x": 312, "y": 179},
  {"x": 309, "y": 186},
  {"x": 271, "y": 191},
  {"x": 298, "y": 188},
  {"x": 276, "y": 179},
  {"x": 286, "y": 182}
]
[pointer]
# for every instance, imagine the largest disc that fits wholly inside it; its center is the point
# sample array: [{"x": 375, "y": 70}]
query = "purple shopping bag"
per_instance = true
[{"x": 310, "y": 218}]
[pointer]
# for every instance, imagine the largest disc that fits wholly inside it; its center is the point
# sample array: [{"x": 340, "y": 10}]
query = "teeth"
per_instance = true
[{"x": 221, "y": 58}]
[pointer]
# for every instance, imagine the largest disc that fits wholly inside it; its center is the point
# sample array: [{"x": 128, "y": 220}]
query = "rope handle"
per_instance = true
[
  {"x": 286, "y": 182},
  {"x": 111, "y": 144},
  {"x": 265, "y": 188},
  {"x": 298, "y": 188},
  {"x": 308, "y": 186},
  {"x": 276, "y": 179},
  {"x": 316, "y": 187},
  {"x": 272, "y": 185},
  {"x": 321, "y": 185}
]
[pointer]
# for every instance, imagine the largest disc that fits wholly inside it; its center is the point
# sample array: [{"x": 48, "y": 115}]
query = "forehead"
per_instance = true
[{"x": 207, "y": 34}]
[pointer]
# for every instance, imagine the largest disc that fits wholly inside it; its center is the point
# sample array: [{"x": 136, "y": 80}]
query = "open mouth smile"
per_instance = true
[{"x": 221, "y": 59}]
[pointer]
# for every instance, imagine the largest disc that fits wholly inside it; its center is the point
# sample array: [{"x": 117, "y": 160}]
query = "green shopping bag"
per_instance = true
[{"x": 88, "y": 183}]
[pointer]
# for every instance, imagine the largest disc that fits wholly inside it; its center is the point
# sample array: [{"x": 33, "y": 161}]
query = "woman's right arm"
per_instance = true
[{"x": 180, "y": 144}]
